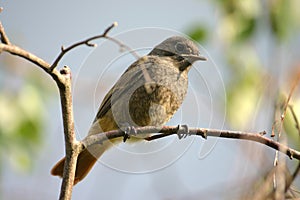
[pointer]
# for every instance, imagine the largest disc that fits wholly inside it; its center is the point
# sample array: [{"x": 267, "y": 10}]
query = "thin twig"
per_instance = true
[
  {"x": 286, "y": 104},
  {"x": 297, "y": 125},
  {"x": 84, "y": 42},
  {"x": 294, "y": 85},
  {"x": 295, "y": 174},
  {"x": 123, "y": 46},
  {"x": 282, "y": 117},
  {"x": 171, "y": 130}
]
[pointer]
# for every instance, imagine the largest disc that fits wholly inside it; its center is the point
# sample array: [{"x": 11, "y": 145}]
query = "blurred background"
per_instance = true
[{"x": 254, "y": 60}]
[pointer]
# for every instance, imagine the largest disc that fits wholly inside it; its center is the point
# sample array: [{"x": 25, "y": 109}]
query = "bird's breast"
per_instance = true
[{"x": 155, "y": 101}]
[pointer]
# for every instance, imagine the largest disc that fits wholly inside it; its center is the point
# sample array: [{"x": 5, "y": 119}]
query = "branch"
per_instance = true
[
  {"x": 293, "y": 87},
  {"x": 87, "y": 42},
  {"x": 15, "y": 50},
  {"x": 63, "y": 81},
  {"x": 282, "y": 118},
  {"x": 4, "y": 38},
  {"x": 71, "y": 144},
  {"x": 84, "y": 42},
  {"x": 123, "y": 46},
  {"x": 297, "y": 126},
  {"x": 204, "y": 133}
]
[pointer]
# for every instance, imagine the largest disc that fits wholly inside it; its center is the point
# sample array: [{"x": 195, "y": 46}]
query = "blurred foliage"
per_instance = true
[
  {"x": 239, "y": 25},
  {"x": 245, "y": 90},
  {"x": 251, "y": 84},
  {"x": 22, "y": 114},
  {"x": 198, "y": 32},
  {"x": 239, "y": 22},
  {"x": 290, "y": 124},
  {"x": 284, "y": 18},
  {"x": 21, "y": 125}
]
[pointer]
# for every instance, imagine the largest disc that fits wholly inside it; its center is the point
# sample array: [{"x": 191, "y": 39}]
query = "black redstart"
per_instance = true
[{"x": 148, "y": 93}]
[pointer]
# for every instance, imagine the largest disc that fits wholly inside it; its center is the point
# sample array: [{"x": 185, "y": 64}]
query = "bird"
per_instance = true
[{"x": 148, "y": 93}]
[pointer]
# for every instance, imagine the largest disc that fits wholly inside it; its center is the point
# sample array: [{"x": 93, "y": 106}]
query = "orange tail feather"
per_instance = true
[{"x": 85, "y": 163}]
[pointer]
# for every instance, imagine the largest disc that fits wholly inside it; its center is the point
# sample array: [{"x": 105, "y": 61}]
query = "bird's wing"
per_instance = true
[{"x": 128, "y": 79}]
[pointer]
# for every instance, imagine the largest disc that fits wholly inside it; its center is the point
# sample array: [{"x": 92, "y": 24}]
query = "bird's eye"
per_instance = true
[{"x": 180, "y": 47}]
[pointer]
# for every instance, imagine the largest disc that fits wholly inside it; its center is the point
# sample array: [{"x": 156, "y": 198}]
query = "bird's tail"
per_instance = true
[{"x": 86, "y": 160}]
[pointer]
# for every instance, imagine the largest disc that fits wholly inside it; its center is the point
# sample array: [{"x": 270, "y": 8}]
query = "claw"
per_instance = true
[
  {"x": 125, "y": 137},
  {"x": 182, "y": 131},
  {"x": 129, "y": 130}
]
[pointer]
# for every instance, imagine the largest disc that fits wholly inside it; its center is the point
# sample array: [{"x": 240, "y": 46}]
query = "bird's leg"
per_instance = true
[{"x": 182, "y": 131}]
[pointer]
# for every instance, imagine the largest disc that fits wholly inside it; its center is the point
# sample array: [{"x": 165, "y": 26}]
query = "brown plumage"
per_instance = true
[{"x": 148, "y": 93}]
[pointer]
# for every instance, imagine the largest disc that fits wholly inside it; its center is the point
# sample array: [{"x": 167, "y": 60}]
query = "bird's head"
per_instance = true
[{"x": 181, "y": 49}]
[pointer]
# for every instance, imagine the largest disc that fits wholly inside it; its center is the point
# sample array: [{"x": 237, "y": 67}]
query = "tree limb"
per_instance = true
[
  {"x": 4, "y": 38},
  {"x": 63, "y": 81},
  {"x": 204, "y": 133}
]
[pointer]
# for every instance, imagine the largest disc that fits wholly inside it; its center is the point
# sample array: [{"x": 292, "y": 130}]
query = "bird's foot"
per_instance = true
[
  {"x": 183, "y": 131},
  {"x": 129, "y": 130}
]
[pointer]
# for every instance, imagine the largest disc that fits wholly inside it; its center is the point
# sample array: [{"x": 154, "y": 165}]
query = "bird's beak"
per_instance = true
[{"x": 194, "y": 58}]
